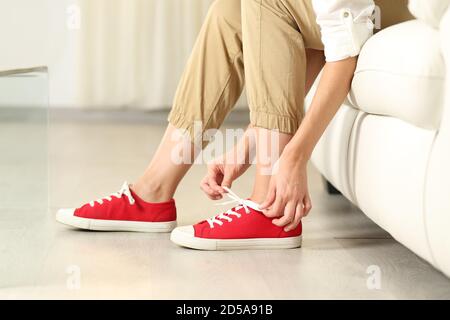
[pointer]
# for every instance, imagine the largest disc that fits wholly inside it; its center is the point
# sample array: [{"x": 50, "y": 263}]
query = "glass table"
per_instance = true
[{"x": 23, "y": 174}]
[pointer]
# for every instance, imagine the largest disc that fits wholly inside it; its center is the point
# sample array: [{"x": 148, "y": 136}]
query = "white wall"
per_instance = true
[
  {"x": 125, "y": 53},
  {"x": 34, "y": 33},
  {"x": 23, "y": 33}
]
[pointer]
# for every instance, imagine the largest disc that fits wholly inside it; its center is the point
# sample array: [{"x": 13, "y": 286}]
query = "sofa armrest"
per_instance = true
[
  {"x": 445, "y": 46},
  {"x": 437, "y": 189},
  {"x": 429, "y": 11}
]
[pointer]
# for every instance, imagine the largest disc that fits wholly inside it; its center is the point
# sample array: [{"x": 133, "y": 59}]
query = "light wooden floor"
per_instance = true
[{"x": 90, "y": 159}]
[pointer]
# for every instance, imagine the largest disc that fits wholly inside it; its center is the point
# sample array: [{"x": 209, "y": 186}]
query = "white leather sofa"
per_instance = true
[{"x": 388, "y": 148}]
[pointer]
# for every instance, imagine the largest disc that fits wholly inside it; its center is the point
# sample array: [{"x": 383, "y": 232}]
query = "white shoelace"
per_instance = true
[
  {"x": 124, "y": 191},
  {"x": 242, "y": 203}
]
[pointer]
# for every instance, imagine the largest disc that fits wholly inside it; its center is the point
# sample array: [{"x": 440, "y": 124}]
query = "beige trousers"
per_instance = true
[{"x": 269, "y": 38}]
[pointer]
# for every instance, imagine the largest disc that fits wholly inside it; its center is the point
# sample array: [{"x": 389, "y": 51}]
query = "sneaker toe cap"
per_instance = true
[
  {"x": 62, "y": 214},
  {"x": 186, "y": 230}
]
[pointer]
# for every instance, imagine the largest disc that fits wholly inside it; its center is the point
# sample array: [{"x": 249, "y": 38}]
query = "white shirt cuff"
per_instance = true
[{"x": 345, "y": 26}]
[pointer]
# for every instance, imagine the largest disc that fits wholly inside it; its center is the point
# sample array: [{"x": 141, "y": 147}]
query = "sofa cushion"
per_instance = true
[
  {"x": 389, "y": 164},
  {"x": 429, "y": 11},
  {"x": 401, "y": 73}
]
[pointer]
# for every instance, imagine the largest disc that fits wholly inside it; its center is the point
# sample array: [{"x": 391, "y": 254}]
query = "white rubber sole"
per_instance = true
[
  {"x": 184, "y": 237},
  {"x": 66, "y": 217}
]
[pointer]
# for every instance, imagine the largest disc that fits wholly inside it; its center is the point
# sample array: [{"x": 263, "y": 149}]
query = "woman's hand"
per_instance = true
[
  {"x": 288, "y": 192},
  {"x": 221, "y": 173},
  {"x": 227, "y": 168},
  {"x": 288, "y": 197}
]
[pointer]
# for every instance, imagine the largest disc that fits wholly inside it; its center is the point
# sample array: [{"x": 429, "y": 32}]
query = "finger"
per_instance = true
[
  {"x": 208, "y": 191},
  {"x": 288, "y": 216},
  {"x": 227, "y": 180},
  {"x": 307, "y": 205},
  {"x": 213, "y": 195},
  {"x": 270, "y": 198},
  {"x": 297, "y": 218},
  {"x": 212, "y": 182},
  {"x": 277, "y": 209}
]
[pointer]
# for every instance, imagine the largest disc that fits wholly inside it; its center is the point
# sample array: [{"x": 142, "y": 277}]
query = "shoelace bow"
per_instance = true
[
  {"x": 124, "y": 191},
  {"x": 241, "y": 203}
]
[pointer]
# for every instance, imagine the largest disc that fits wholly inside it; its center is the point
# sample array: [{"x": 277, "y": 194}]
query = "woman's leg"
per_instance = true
[
  {"x": 211, "y": 84},
  {"x": 279, "y": 71},
  {"x": 269, "y": 143},
  {"x": 162, "y": 176}
]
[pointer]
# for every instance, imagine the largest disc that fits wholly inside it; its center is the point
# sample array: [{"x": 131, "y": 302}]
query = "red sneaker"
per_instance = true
[
  {"x": 242, "y": 227},
  {"x": 121, "y": 211}
]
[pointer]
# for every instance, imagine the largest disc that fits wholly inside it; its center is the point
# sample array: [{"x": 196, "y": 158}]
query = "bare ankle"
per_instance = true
[
  {"x": 151, "y": 192},
  {"x": 258, "y": 197}
]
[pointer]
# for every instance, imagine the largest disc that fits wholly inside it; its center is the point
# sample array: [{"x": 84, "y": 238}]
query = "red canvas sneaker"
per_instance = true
[
  {"x": 121, "y": 211},
  {"x": 242, "y": 227}
]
